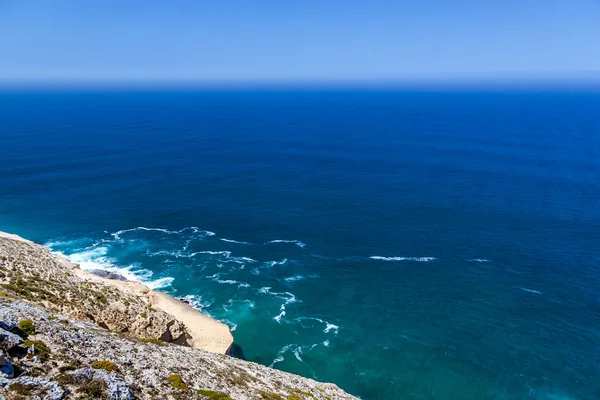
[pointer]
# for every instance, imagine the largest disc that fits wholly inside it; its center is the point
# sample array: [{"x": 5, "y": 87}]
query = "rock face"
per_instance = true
[
  {"x": 63, "y": 337},
  {"x": 29, "y": 271},
  {"x": 108, "y": 275}
]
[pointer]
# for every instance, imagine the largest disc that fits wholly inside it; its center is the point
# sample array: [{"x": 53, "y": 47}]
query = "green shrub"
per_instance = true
[
  {"x": 27, "y": 327},
  {"x": 41, "y": 350},
  {"x": 269, "y": 395},
  {"x": 143, "y": 315},
  {"x": 177, "y": 382},
  {"x": 94, "y": 389},
  {"x": 152, "y": 340},
  {"x": 126, "y": 302},
  {"x": 212, "y": 395},
  {"x": 21, "y": 389},
  {"x": 101, "y": 298},
  {"x": 68, "y": 367},
  {"x": 64, "y": 379},
  {"x": 105, "y": 365}
]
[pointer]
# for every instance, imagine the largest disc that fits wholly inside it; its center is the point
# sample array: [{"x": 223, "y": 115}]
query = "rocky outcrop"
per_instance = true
[
  {"x": 65, "y": 335},
  {"x": 29, "y": 271}
]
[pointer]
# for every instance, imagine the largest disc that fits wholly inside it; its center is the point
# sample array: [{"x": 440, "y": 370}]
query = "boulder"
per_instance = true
[
  {"x": 108, "y": 275},
  {"x": 6, "y": 368},
  {"x": 8, "y": 340}
]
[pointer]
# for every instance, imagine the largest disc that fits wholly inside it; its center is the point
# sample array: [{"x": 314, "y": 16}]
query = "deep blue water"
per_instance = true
[{"x": 441, "y": 244}]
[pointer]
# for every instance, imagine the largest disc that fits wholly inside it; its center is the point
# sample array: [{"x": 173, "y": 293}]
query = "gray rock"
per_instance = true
[
  {"x": 8, "y": 340},
  {"x": 6, "y": 368},
  {"x": 117, "y": 388},
  {"x": 82, "y": 375},
  {"x": 108, "y": 275},
  {"x": 51, "y": 390}
]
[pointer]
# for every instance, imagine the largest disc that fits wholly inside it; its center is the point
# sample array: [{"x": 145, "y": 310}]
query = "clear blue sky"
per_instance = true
[{"x": 289, "y": 40}]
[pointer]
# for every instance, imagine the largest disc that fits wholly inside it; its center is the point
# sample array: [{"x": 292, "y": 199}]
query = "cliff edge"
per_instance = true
[{"x": 69, "y": 334}]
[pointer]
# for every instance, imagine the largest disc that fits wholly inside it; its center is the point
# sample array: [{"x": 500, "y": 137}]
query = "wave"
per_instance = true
[
  {"x": 232, "y": 325},
  {"x": 233, "y": 241},
  {"x": 194, "y": 229},
  {"x": 479, "y": 260},
  {"x": 197, "y": 302},
  {"x": 294, "y": 278},
  {"x": 282, "y": 351},
  {"x": 281, "y": 314},
  {"x": 419, "y": 259},
  {"x": 243, "y": 260},
  {"x": 287, "y": 296},
  {"x": 96, "y": 258},
  {"x": 160, "y": 283},
  {"x": 214, "y": 253},
  {"x": 270, "y": 264},
  {"x": 530, "y": 290},
  {"x": 328, "y": 326},
  {"x": 232, "y": 282},
  {"x": 297, "y": 351},
  {"x": 296, "y": 242}
]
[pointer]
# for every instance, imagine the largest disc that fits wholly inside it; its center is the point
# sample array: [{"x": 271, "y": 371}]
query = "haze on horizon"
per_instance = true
[{"x": 308, "y": 41}]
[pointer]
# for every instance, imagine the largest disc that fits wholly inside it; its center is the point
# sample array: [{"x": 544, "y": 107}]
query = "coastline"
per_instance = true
[{"x": 203, "y": 331}]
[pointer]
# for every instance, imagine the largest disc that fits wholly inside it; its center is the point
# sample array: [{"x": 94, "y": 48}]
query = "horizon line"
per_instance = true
[{"x": 586, "y": 80}]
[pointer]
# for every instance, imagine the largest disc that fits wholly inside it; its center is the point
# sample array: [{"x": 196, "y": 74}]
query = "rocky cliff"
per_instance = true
[{"x": 67, "y": 334}]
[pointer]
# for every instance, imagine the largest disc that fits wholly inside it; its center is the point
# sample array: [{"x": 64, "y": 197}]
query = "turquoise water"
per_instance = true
[{"x": 402, "y": 244}]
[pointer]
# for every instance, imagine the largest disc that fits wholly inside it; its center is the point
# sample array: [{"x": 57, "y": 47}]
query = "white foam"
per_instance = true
[
  {"x": 117, "y": 235},
  {"x": 530, "y": 290},
  {"x": 233, "y": 241},
  {"x": 160, "y": 283},
  {"x": 294, "y": 278},
  {"x": 479, "y": 260},
  {"x": 232, "y": 282},
  {"x": 194, "y": 229},
  {"x": 419, "y": 259},
  {"x": 96, "y": 259},
  {"x": 297, "y": 353},
  {"x": 214, "y": 253},
  {"x": 281, "y": 314},
  {"x": 198, "y": 302},
  {"x": 227, "y": 281},
  {"x": 296, "y": 242},
  {"x": 242, "y": 260},
  {"x": 264, "y": 289},
  {"x": 232, "y": 326},
  {"x": 274, "y": 263},
  {"x": 280, "y": 354},
  {"x": 326, "y": 343},
  {"x": 330, "y": 327}
]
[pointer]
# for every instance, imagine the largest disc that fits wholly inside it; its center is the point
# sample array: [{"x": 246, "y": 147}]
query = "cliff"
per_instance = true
[{"x": 68, "y": 334}]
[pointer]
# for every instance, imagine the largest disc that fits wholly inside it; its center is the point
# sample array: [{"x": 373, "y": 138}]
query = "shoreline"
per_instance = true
[{"x": 205, "y": 332}]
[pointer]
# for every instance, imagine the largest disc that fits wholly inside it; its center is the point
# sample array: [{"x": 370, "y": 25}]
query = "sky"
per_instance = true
[{"x": 299, "y": 41}]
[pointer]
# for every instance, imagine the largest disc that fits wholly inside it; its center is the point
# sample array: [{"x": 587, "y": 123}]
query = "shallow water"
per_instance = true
[{"x": 402, "y": 244}]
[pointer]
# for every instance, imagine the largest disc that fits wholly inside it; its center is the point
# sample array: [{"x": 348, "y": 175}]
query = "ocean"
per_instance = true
[{"x": 402, "y": 243}]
